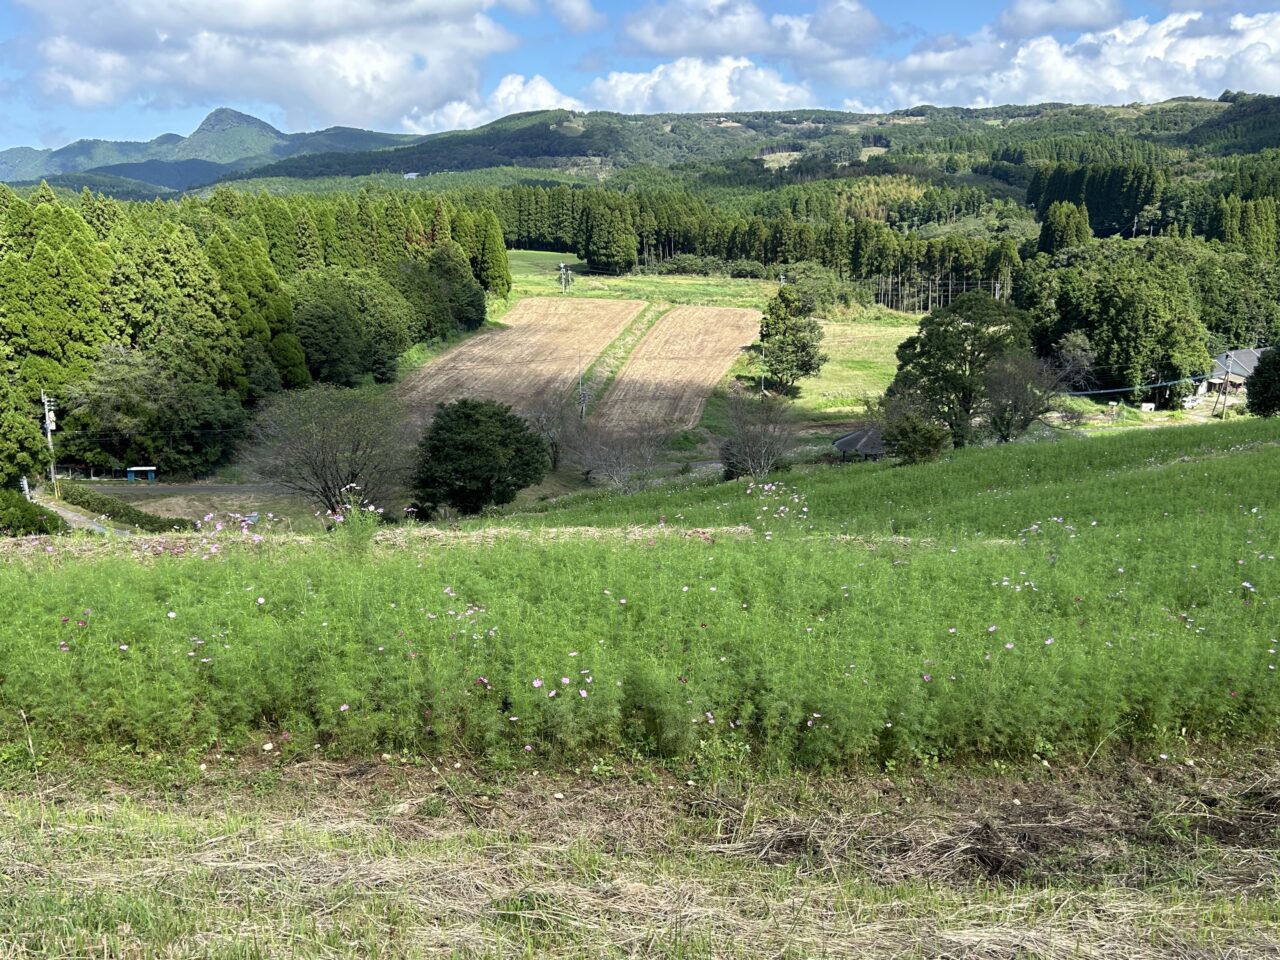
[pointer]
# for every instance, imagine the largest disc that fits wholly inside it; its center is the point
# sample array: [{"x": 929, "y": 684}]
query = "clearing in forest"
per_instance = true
[
  {"x": 537, "y": 354},
  {"x": 668, "y": 377}
]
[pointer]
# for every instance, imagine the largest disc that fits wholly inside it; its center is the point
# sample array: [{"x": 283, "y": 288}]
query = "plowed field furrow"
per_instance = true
[
  {"x": 666, "y": 380},
  {"x": 537, "y": 355}
]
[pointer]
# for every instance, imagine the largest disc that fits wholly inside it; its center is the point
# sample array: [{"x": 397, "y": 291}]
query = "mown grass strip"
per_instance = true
[{"x": 598, "y": 377}]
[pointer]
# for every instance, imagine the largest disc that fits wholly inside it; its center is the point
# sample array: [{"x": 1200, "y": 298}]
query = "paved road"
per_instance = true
[{"x": 118, "y": 488}]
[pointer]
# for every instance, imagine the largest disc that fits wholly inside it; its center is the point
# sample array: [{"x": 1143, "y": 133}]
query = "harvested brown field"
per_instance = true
[
  {"x": 668, "y": 377},
  {"x": 538, "y": 354}
]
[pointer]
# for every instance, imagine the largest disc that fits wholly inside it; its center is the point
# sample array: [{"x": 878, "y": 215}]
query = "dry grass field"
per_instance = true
[
  {"x": 668, "y": 376},
  {"x": 264, "y": 859},
  {"x": 543, "y": 346}
]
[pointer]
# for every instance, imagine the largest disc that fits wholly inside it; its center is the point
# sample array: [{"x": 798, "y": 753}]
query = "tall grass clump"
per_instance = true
[{"x": 1067, "y": 598}]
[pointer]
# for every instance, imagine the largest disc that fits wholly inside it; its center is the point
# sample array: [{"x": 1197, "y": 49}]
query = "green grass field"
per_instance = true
[
  {"x": 1031, "y": 599},
  {"x": 536, "y": 274}
]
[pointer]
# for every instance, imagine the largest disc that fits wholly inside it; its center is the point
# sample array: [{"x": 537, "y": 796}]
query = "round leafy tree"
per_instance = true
[
  {"x": 1263, "y": 385},
  {"x": 477, "y": 453}
]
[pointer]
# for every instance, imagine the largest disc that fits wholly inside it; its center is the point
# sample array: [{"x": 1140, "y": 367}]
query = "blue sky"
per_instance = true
[{"x": 133, "y": 69}]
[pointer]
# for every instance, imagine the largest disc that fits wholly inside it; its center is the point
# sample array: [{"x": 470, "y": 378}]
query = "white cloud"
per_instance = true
[
  {"x": 513, "y": 94},
  {"x": 360, "y": 62},
  {"x": 578, "y": 15},
  {"x": 694, "y": 85},
  {"x": 1027, "y": 18},
  {"x": 1137, "y": 60},
  {"x": 739, "y": 27}
]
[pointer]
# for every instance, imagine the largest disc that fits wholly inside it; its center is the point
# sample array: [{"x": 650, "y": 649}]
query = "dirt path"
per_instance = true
[
  {"x": 414, "y": 857},
  {"x": 74, "y": 519}
]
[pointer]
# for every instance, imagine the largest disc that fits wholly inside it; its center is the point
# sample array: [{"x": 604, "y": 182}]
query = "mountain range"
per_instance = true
[
  {"x": 229, "y": 145},
  {"x": 226, "y": 141}
]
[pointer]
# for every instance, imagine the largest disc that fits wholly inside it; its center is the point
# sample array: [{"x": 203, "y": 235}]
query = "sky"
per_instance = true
[{"x": 134, "y": 69}]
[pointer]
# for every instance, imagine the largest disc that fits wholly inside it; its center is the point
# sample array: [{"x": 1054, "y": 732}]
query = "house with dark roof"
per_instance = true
[
  {"x": 1231, "y": 369},
  {"x": 865, "y": 443}
]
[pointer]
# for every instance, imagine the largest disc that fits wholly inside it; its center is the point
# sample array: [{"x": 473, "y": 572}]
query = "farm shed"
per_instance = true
[{"x": 865, "y": 443}]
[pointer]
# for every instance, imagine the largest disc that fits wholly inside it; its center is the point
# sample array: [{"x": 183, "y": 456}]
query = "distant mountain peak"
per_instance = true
[{"x": 224, "y": 118}]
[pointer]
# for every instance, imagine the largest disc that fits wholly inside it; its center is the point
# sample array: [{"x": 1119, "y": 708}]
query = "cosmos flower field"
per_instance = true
[{"x": 1029, "y": 601}]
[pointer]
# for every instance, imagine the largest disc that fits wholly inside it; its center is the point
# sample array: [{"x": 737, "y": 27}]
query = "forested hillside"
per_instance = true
[
  {"x": 1137, "y": 241},
  {"x": 157, "y": 327}
]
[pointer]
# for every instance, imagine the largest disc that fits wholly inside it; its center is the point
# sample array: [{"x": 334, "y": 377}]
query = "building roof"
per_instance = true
[
  {"x": 865, "y": 440},
  {"x": 1238, "y": 364}
]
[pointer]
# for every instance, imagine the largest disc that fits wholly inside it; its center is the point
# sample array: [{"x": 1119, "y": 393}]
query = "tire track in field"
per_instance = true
[
  {"x": 536, "y": 355},
  {"x": 666, "y": 380}
]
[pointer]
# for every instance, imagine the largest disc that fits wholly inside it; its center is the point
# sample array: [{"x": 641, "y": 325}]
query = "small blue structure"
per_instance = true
[{"x": 141, "y": 474}]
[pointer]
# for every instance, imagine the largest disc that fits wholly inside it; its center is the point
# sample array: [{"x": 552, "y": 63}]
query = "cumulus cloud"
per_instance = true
[
  {"x": 513, "y": 94},
  {"x": 739, "y": 27},
  {"x": 1027, "y": 18},
  {"x": 578, "y": 15},
  {"x": 691, "y": 84},
  {"x": 363, "y": 62},
  {"x": 1137, "y": 60},
  {"x": 424, "y": 64}
]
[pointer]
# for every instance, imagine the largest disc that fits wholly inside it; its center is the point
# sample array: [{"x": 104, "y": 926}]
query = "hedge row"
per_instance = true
[
  {"x": 104, "y": 506},
  {"x": 20, "y": 518}
]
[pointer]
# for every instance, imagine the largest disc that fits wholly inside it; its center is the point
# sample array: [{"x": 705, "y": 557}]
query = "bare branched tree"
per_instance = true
[
  {"x": 1022, "y": 389},
  {"x": 621, "y": 456},
  {"x": 553, "y": 420},
  {"x": 324, "y": 440},
  {"x": 760, "y": 432}
]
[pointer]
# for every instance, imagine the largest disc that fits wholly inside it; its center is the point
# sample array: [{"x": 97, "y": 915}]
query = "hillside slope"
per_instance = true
[{"x": 225, "y": 138}]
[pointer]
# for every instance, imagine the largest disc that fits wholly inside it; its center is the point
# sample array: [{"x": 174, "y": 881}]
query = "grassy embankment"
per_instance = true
[
  {"x": 1033, "y": 599},
  {"x": 1128, "y": 806}
]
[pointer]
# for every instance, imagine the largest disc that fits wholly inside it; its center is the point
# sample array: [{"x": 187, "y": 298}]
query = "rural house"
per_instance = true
[{"x": 1233, "y": 368}]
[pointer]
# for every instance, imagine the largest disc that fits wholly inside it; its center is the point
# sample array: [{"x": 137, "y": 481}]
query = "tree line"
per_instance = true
[{"x": 158, "y": 326}]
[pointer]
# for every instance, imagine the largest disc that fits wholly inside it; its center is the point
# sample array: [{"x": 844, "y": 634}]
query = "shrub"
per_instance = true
[
  {"x": 477, "y": 453},
  {"x": 104, "y": 506},
  {"x": 325, "y": 441},
  {"x": 913, "y": 439},
  {"x": 1264, "y": 385},
  {"x": 19, "y": 517}
]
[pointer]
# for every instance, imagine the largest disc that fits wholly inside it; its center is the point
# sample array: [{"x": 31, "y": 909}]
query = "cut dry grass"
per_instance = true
[{"x": 387, "y": 860}]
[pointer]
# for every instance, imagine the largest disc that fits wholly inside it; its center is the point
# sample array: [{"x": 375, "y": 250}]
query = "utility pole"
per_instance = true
[
  {"x": 582, "y": 393},
  {"x": 50, "y": 423},
  {"x": 1226, "y": 379}
]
